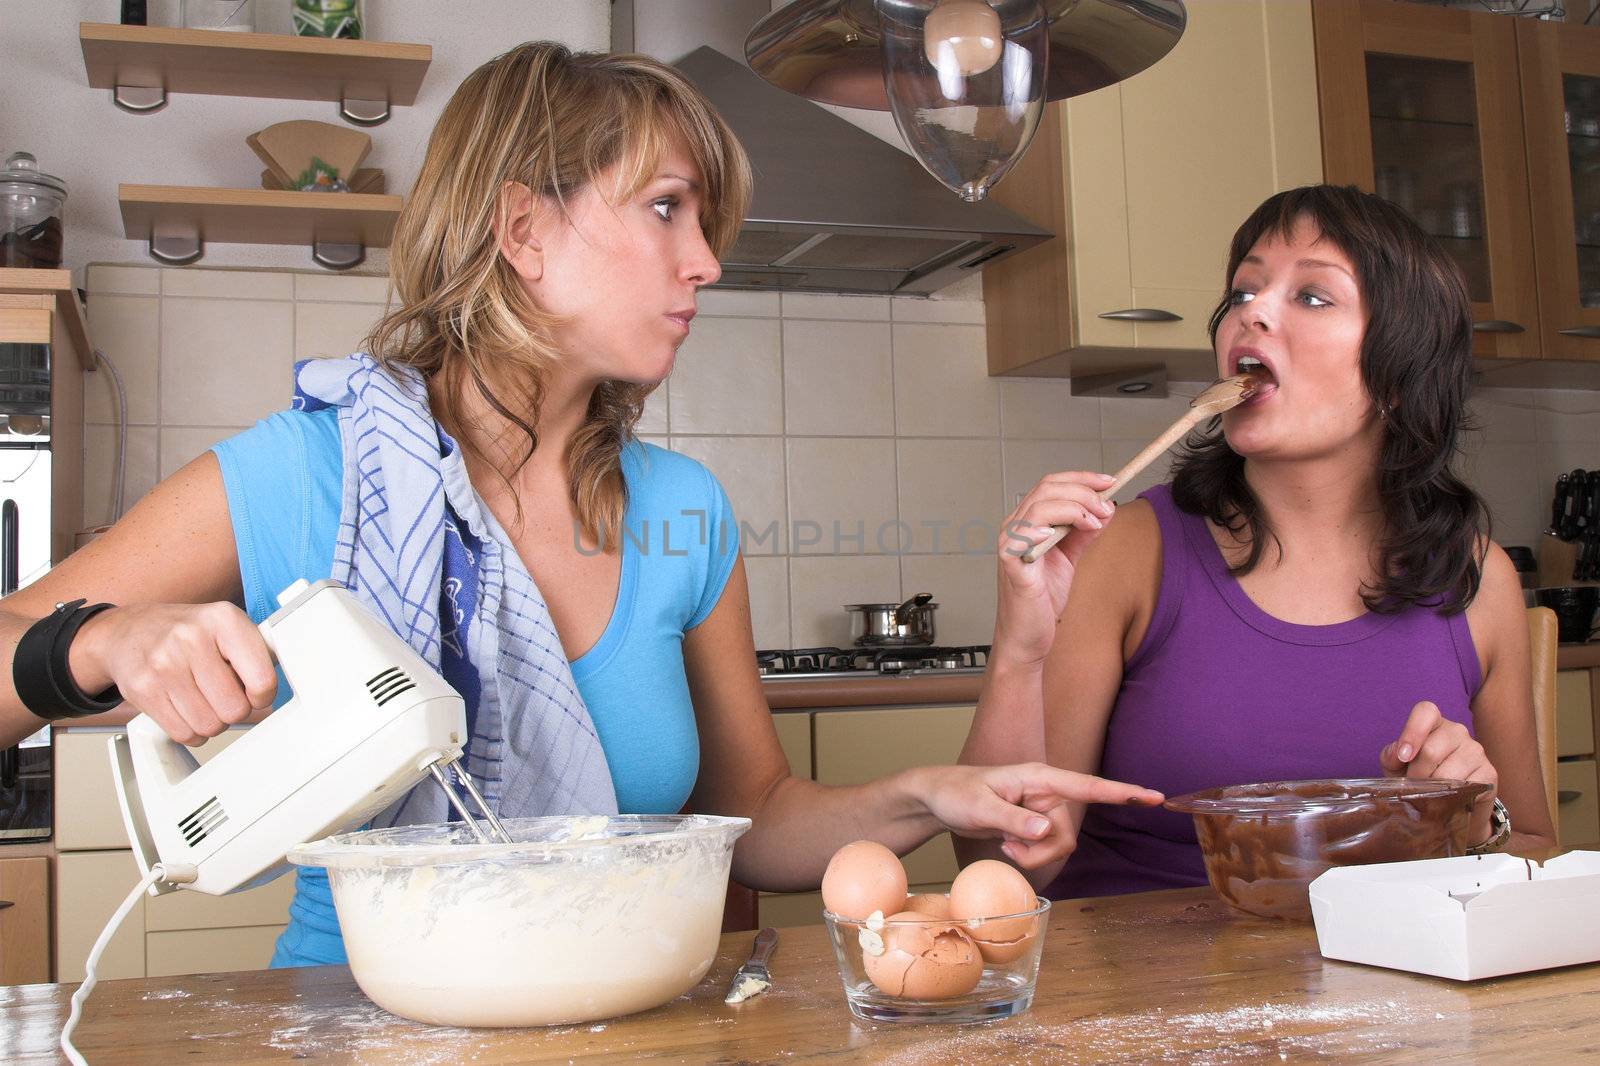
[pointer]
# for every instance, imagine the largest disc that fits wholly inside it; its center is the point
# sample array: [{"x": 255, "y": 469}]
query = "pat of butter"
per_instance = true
[{"x": 748, "y": 985}]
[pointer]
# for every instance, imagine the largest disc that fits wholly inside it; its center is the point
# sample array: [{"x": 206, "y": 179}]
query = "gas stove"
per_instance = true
[{"x": 913, "y": 661}]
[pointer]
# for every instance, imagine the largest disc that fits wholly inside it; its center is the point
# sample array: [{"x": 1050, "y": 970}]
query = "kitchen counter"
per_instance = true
[
  {"x": 1159, "y": 977},
  {"x": 870, "y": 690}
]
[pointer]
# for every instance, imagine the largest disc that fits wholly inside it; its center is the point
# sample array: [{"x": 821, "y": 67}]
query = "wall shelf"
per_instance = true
[
  {"x": 178, "y": 221},
  {"x": 143, "y": 64}
]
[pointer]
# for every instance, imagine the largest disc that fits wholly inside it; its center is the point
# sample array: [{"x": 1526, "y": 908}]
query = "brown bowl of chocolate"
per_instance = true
[{"x": 1265, "y": 843}]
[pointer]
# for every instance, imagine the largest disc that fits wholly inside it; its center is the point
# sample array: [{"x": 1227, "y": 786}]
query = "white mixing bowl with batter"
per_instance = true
[{"x": 579, "y": 919}]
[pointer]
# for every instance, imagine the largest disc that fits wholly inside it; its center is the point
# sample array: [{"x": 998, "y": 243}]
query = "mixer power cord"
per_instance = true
[{"x": 171, "y": 873}]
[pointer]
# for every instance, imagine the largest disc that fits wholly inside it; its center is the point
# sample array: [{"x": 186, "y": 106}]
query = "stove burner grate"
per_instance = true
[{"x": 781, "y": 662}]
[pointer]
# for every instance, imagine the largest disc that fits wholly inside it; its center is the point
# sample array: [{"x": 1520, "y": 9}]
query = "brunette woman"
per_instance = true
[{"x": 1314, "y": 595}]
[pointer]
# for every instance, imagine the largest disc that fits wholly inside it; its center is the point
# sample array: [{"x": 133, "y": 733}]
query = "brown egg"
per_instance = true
[
  {"x": 988, "y": 889},
  {"x": 864, "y": 877},
  {"x": 933, "y": 904},
  {"x": 924, "y": 960}
]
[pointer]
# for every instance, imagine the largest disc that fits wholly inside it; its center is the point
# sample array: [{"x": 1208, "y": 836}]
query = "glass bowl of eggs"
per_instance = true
[{"x": 968, "y": 956}]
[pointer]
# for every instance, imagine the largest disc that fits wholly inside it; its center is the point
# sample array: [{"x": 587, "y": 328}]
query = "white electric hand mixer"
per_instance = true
[{"x": 369, "y": 719}]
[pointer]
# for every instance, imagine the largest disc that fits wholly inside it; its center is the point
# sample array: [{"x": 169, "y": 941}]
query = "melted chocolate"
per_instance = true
[{"x": 1264, "y": 844}]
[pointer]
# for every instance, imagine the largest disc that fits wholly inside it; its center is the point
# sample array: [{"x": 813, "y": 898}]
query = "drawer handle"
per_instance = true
[
  {"x": 1580, "y": 331},
  {"x": 1568, "y": 795},
  {"x": 1497, "y": 325},
  {"x": 4, "y": 903},
  {"x": 1142, "y": 314}
]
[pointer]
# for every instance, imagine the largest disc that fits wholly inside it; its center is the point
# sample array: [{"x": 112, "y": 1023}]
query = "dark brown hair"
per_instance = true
[{"x": 1416, "y": 364}]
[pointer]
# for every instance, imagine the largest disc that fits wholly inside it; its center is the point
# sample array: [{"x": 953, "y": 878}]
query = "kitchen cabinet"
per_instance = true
[
  {"x": 87, "y": 815},
  {"x": 183, "y": 951},
  {"x": 1574, "y": 713},
  {"x": 183, "y": 932},
  {"x": 24, "y": 921},
  {"x": 90, "y": 885},
  {"x": 1577, "y": 812},
  {"x": 794, "y": 737},
  {"x": 1578, "y": 819},
  {"x": 1486, "y": 129},
  {"x": 1560, "y": 73},
  {"x": 1422, "y": 106},
  {"x": 176, "y": 933},
  {"x": 1144, "y": 183}
]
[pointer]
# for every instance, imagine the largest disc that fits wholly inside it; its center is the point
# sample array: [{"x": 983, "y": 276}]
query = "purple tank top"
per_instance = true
[{"x": 1221, "y": 693}]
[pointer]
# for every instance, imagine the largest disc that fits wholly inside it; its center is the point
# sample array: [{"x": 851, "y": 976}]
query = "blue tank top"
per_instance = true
[
  {"x": 1219, "y": 692},
  {"x": 284, "y": 478}
]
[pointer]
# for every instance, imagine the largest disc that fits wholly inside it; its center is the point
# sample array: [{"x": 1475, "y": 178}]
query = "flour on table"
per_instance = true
[
  {"x": 351, "y": 1028},
  {"x": 1249, "y": 1034}
]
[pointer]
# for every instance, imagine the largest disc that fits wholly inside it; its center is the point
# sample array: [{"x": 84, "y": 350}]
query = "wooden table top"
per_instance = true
[{"x": 1166, "y": 977}]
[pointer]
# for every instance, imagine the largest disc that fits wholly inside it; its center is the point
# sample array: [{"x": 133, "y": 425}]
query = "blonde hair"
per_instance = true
[{"x": 552, "y": 120}]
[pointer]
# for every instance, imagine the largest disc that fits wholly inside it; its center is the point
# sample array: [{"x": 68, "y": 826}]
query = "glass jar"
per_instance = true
[
  {"x": 30, "y": 215},
  {"x": 238, "y": 16}
]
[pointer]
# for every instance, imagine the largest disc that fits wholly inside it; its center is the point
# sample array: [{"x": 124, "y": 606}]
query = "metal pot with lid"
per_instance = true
[
  {"x": 893, "y": 624},
  {"x": 30, "y": 215}
]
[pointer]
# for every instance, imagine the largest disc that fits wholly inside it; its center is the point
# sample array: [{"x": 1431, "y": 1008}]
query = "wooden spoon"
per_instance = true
[{"x": 1218, "y": 397}]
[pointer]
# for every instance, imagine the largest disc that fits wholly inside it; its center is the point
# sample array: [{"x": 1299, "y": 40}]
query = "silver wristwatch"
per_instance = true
[{"x": 1499, "y": 830}]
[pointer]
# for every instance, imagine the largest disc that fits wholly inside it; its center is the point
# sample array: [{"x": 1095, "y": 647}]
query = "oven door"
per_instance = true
[
  {"x": 25, "y": 770},
  {"x": 24, "y": 515}
]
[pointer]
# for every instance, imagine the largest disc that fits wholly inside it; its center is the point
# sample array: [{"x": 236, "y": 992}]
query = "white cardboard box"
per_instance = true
[{"x": 1464, "y": 918}]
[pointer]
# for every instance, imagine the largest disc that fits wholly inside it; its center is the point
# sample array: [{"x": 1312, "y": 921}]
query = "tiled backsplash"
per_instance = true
[{"x": 867, "y": 453}]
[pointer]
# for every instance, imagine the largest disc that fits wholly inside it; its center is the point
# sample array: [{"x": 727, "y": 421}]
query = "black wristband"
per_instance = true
[{"x": 41, "y": 673}]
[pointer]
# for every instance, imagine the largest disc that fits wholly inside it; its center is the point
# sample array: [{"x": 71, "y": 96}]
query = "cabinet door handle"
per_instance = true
[
  {"x": 1580, "y": 331},
  {"x": 1497, "y": 325},
  {"x": 1142, "y": 314},
  {"x": 1568, "y": 795},
  {"x": 4, "y": 903}
]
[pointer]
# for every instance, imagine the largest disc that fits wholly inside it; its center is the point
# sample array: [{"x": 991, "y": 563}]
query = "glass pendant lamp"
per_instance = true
[{"x": 966, "y": 80}]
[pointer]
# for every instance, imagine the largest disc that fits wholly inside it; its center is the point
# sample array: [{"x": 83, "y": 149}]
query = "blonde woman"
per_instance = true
[{"x": 474, "y": 478}]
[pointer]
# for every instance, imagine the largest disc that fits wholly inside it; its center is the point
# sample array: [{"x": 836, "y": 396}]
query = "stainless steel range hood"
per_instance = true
[{"x": 835, "y": 208}]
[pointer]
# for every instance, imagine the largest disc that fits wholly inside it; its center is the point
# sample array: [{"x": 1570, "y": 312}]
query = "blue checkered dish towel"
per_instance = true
[{"x": 417, "y": 546}]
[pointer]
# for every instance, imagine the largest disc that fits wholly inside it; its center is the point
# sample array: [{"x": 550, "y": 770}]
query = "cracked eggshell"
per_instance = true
[
  {"x": 988, "y": 889},
  {"x": 864, "y": 877},
  {"x": 1001, "y": 951},
  {"x": 924, "y": 960},
  {"x": 933, "y": 904}
]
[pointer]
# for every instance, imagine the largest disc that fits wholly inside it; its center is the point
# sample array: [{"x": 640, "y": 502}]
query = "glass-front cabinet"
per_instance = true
[
  {"x": 1422, "y": 105},
  {"x": 1561, "y": 98}
]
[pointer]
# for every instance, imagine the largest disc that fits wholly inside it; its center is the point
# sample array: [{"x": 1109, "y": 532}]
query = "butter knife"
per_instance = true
[{"x": 753, "y": 977}]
